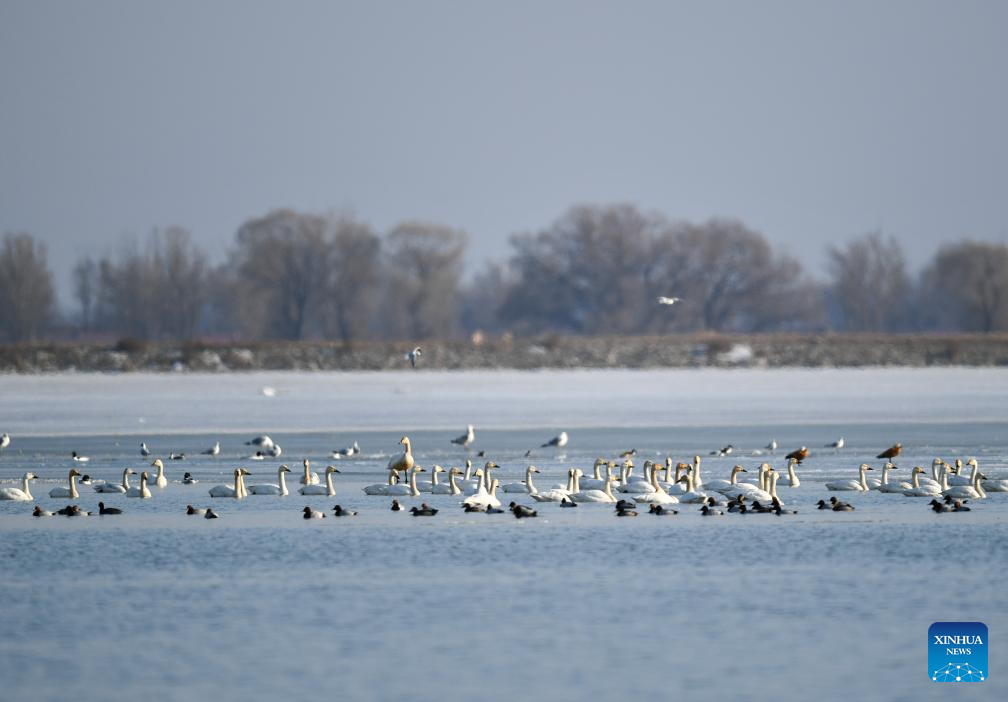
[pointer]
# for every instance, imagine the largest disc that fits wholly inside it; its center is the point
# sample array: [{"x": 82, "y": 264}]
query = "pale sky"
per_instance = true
[{"x": 811, "y": 121}]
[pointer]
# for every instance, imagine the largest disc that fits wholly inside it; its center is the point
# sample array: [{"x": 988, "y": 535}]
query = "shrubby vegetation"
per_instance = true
[{"x": 597, "y": 270}]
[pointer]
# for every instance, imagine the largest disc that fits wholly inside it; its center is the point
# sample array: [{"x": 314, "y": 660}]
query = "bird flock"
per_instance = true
[{"x": 662, "y": 487}]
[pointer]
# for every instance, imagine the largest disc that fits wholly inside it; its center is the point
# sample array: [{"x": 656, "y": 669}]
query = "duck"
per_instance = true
[
  {"x": 710, "y": 511},
  {"x": 103, "y": 510},
  {"x": 859, "y": 485},
  {"x": 22, "y": 494},
  {"x": 210, "y": 514},
  {"x": 424, "y": 510},
  {"x": 938, "y": 506},
  {"x": 779, "y": 508},
  {"x": 176, "y": 456},
  {"x": 891, "y": 452},
  {"x": 799, "y": 454},
  {"x": 567, "y": 502},
  {"x": 188, "y": 479},
  {"x": 79, "y": 458},
  {"x": 143, "y": 491},
  {"x": 338, "y": 511},
  {"x": 452, "y": 487},
  {"x": 76, "y": 511},
  {"x": 492, "y": 510},
  {"x": 66, "y": 511},
  {"x": 194, "y": 512},
  {"x": 236, "y": 492},
  {"x": 958, "y": 506},
  {"x": 626, "y": 513},
  {"x": 410, "y": 488},
  {"x": 351, "y": 450},
  {"x": 526, "y": 486},
  {"x": 822, "y": 505},
  {"x": 67, "y": 492},
  {"x": 160, "y": 480},
  {"x": 310, "y": 513},
  {"x": 466, "y": 440},
  {"x": 661, "y": 510},
  {"x": 920, "y": 489},
  {"x": 144, "y": 451},
  {"x": 280, "y": 488},
  {"x": 521, "y": 511},
  {"x": 474, "y": 508},
  {"x": 328, "y": 489},
  {"x": 839, "y": 506},
  {"x": 213, "y": 450},
  {"x": 396, "y": 507},
  {"x": 39, "y": 512}
]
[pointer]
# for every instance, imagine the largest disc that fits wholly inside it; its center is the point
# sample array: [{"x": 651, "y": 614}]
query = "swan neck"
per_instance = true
[
  {"x": 283, "y": 482},
  {"x": 330, "y": 490},
  {"x": 529, "y": 487},
  {"x": 73, "y": 487},
  {"x": 452, "y": 484}
]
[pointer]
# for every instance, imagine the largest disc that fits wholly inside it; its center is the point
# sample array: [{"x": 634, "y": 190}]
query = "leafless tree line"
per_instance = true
[{"x": 596, "y": 270}]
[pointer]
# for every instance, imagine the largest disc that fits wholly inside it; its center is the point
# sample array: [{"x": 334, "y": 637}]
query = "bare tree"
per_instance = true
[
  {"x": 423, "y": 275},
  {"x": 86, "y": 283},
  {"x": 281, "y": 261},
  {"x": 869, "y": 284},
  {"x": 182, "y": 276},
  {"x": 966, "y": 286},
  {"x": 26, "y": 289},
  {"x": 354, "y": 278}
]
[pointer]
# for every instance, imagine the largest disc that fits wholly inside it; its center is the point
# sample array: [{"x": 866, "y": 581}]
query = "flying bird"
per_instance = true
[
  {"x": 891, "y": 452},
  {"x": 662, "y": 300},
  {"x": 466, "y": 439},
  {"x": 413, "y": 355},
  {"x": 798, "y": 454},
  {"x": 559, "y": 441}
]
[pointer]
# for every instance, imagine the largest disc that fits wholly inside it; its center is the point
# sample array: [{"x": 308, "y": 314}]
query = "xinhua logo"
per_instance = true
[{"x": 957, "y": 652}]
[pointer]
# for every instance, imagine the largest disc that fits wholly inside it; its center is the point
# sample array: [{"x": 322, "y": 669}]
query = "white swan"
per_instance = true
[
  {"x": 410, "y": 489},
  {"x": 326, "y": 489},
  {"x": 597, "y": 482},
  {"x": 69, "y": 492},
  {"x": 556, "y": 494},
  {"x": 957, "y": 478},
  {"x": 160, "y": 480},
  {"x": 630, "y": 484},
  {"x": 859, "y": 485},
  {"x": 991, "y": 485},
  {"x": 452, "y": 487},
  {"x": 381, "y": 488},
  {"x": 143, "y": 491},
  {"x": 483, "y": 479},
  {"x": 691, "y": 494},
  {"x": 237, "y": 492},
  {"x": 759, "y": 492},
  {"x": 526, "y": 487},
  {"x": 657, "y": 495},
  {"x": 974, "y": 491},
  {"x": 22, "y": 494},
  {"x": 113, "y": 487},
  {"x": 430, "y": 485},
  {"x": 604, "y": 495},
  {"x": 720, "y": 484},
  {"x": 919, "y": 489},
  {"x": 792, "y": 475},
  {"x": 266, "y": 489},
  {"x": 886, "y": 486},
  {"x": 308, "y": 477},
  {"x": 484, "y": 498}
]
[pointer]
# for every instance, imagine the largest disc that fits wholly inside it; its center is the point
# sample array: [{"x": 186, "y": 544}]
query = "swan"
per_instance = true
[
  {"x": 992, "y": 485},
  {"x": 160, "y": 481},
  {"x": 792, "y": 475},
  {"x": 402, "y": 462},
  {"x": 452, "y": 487},
  {"x": 484, "y": 498},
  {"x": 526, "y": 487},
  {"x": 919, "y": 489},
  {"x": 429, "y": 485},
  {"x": 974, "y": 491},
  {"x": 752, "y": 492},
  {"x": 557, "y": 494},
  {"x": 886, "y": 486},
  {"x": 629, "y": 484},
  {"x": 484, "y": 479},
  {"x": 720, "y": 484},
  {"x": 657, "y": 495},
  {"x": 604, "y": 495},
  {"x": 957, "y": 478},
  {"x": 236, "y": 492},
  {"x": 310, "y": 513},
  {"x": 691, "y": 494},
  {"x": 142, "y": 491},
  {"x": 213, "y": 450},
  {"x": 79, "y": 458},
  {"x": 381, "y": 488},
  {"x": 351, "y": 450},
  {"x": 410, "y": 489},
  {"x": 68, "y": 492},
  {"x": 852, "y": 485},
  {"x": 22, "y": 494},
  {"x": 597, "y": 482},
  {"x": 309, "y": 478},
  {"x": 279, "y": 489},
  {"x": 113, "y": 487},
  {"x": 326, "y": 489}
]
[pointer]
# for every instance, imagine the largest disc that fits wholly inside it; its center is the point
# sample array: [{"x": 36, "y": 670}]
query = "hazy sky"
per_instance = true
[{"x": 811, "y": 121}]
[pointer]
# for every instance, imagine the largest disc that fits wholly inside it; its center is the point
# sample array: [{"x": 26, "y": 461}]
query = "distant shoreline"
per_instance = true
[{"x": 679, "y": 351}]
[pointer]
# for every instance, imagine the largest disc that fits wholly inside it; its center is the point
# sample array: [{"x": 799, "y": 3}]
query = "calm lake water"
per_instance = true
[{"x": 261, "y": 604}]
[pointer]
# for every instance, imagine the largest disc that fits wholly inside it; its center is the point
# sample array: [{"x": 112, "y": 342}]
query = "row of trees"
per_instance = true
[{"x": 596, "y": 270}]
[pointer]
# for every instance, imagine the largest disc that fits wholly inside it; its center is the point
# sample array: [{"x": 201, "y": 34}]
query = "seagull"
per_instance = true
[
  {"x": 213, "y": 450},
  {"x": 262, "y": 441},
  {"x": 836, "y": 445},
  {"x": 559, "y": 441},
  {"x": 798, "y": 454},
  {"x": 413, "y": 355},
  {"x": 351, "y": 450},
  {"x": 772, "y": 446},
  {"x": 662, "y": 300},
  {"x": 466, "y": 439},
  {"x": 144, "y": 451},
  {"x": 4, "y": 440}
]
